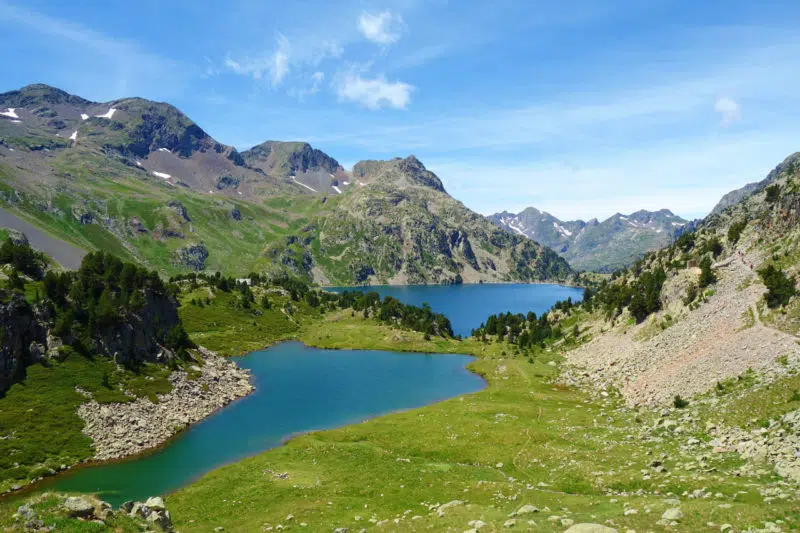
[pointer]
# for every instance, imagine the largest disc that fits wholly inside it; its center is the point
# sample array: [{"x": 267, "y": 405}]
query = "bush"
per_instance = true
[
  {"x": 691, "y": 294},
  {"x": 735, "y": 231},
  {"x": 679, "y": 402},
  {"x": 773, "y": 194},
  {"x": 714, "y": 246},
  {"x": 707, "y": 276},
  {"x": 23, "y": 258},
  {"x": 780, "y": 287}
]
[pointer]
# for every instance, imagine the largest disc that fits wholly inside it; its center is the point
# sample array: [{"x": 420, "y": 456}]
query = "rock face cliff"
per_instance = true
[
  {"x": 106, "y": 308},
  {"x": 21, "y": 336}
]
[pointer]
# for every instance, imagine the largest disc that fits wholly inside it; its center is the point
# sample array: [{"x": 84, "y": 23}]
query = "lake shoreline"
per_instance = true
[
  {"x": 233, "y": 383},
  {"x": 161, "y": 442},
  {"x": 489, "y": 283}
]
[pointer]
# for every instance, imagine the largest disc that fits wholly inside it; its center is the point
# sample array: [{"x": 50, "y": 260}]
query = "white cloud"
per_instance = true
[
  {"x": 729, "y": 109},
  {"x": 275, "y": 64},
  {"x": 374, "y": 93},
  {"x": 383, "y": 28}
]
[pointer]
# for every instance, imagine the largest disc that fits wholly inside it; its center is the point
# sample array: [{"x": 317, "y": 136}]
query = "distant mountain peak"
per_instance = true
[{"x": 615, "y": 242}]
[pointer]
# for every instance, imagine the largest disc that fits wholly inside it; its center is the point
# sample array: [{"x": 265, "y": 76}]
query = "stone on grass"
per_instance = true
[
  {"x": 672, "y": 514},
  {"x": 510, "y": 523},
  {"x": 590, "y": 528},
  {"x": 445, "y": 506},
  {"x": 527, "y": 509},
  {"x": 156, "y": 502},
  {"x": 78, "y": 506}
]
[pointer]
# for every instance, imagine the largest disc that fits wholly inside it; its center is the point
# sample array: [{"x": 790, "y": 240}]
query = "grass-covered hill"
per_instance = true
[
  {"x": 598, "y": 246},
  {"x": 140, "y": 180}
]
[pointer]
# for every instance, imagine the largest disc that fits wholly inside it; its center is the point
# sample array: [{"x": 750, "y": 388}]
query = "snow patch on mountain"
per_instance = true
[
  {"x": 562, "y": 230},
  {"x": 108, "y": 114},
  {"x": 162, "y": 175},
  {"x": 11, "y": 113},
  {"x": 303, "y": 184}
]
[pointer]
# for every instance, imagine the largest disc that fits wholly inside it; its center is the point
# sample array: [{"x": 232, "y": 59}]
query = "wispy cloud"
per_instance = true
[
  {"x": 729, "y": 110},
  {"x": 382, "y": 28},
  {"x": 126, "y": 65},
  {"x": 374, "y": 93},
  {"x": 275, "y": 64}
]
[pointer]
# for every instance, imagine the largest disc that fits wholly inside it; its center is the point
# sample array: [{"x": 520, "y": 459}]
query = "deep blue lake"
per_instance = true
[
  {"x": 301, "y": 389},
  {"x": 298, "y": 389},
  {"x": 467, "y": 306}
]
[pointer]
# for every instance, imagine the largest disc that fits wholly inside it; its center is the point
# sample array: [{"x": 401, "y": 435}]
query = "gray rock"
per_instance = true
[
  {"x": 17, "y": 237},
  {"x": 672, "y": 514},
  {"x": 590, "y": 528},
  {"x": 156, "y": 502},
  {"x": 79, "y": 506},
  {"x": 527, "y": 509}
]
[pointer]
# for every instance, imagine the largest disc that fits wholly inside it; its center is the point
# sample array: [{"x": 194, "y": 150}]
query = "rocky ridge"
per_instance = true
[
  {"x": 603, "y": 246},
  {"x": 123, "y": 429}
]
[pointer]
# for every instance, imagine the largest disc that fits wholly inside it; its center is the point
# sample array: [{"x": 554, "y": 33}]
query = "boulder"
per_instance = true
[
  {"x": 79, "y": 506},
  {"x": 672, "y": 514},
  {"x": 156, "y": 502},
  {"x": 590, "y": 528},
  {"x": 527, "y": 509}
]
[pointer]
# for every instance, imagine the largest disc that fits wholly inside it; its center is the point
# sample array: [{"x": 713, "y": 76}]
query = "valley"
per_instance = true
[{"x": 245, "y": 331}]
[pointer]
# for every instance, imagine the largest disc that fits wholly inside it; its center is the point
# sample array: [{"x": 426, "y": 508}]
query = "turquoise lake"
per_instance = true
[
  {"x": 298, "y": 389},
  {"x": 468, "y": 305},
  {"x": 301, "y": 389}
]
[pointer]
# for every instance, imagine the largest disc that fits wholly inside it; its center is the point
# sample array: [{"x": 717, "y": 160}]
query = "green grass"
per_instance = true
[
  {"x": 229, "y": 329},
  {"x": 39, "y": 426},
  {"x": 748, "y": 406},
  {"x": 522, "y": 440}
]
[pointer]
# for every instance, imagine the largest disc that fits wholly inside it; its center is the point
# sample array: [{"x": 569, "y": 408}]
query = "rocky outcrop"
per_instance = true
[
  {"x": 289, "y": 158},
  {"x": 45, "y": 508},
  {"x": 193, "y": 256},
  {"x": 180, "y": 210},
  {"x": 118, "y": 430},
  {"x": 22, "y": 337},
  {"x": 17, "y": 237}
]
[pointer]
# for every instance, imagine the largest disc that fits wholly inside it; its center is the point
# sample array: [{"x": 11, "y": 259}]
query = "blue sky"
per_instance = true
[{"x": 582, "y": 108}]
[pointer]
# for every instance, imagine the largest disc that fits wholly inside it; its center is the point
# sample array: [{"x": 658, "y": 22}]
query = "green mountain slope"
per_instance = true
[
  {"x": 397, "y": 225},
  {"x": 598, "y": 246},
  {"x": 143, "y": 181}
]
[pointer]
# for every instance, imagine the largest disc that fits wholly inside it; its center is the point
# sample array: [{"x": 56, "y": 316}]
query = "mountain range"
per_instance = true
[
  {"x": 142, "y": 180},
  {"x": 597, "y": 246}
]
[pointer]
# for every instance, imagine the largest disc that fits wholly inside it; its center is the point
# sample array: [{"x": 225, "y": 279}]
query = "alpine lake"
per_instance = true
[{"x": 301, "y": 389}]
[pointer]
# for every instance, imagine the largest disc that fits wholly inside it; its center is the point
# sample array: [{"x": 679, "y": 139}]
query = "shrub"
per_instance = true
[
  {"x": 735, "y": 231},
  {"x": 780, "y": 287},
  {"x": 714, "y": 246},
  {"x": 707, "y": 276},
  {"x": 679, "y": 402},
  {"x": 691, "y": 294},
  {"x": 773, "y": 194}
]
